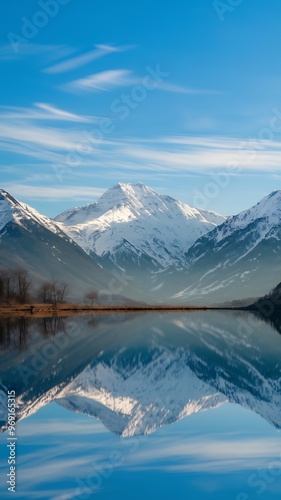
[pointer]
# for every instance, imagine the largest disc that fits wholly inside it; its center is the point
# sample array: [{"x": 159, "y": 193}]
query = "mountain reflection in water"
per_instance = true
[{"x": 139, "y": 372}]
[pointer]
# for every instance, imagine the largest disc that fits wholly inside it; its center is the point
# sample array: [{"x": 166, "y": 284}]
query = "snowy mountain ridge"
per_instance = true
[
  {"x": 12, "y": 210},
  {"x": 238, "y": 259},
  {"x": 267, "y": 212},
  {"x": 143, "y": 221},
  {"x": 31, "y": 241},
  {"x": 258, "y": 223},
  {"x": 174, "y": 252}
]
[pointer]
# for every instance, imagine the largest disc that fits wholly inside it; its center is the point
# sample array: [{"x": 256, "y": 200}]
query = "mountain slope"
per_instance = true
[
  {"x": 241, "y": 258},
  {"x": 270, "y": 302},
  {"x": 34, "y": 242},
  {"x": 134, "y": 227}
]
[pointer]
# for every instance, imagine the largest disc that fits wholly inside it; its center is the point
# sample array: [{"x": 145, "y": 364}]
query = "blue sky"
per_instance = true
[{"x": 182, "y": 96}]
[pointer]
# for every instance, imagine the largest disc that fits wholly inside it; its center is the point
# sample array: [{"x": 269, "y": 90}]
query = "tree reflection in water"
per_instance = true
[{"x": 14, "y": 331}]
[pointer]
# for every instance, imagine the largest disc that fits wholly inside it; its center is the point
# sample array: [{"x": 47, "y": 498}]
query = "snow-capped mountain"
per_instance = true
[
  {"x": 265, "y": 216},
  {"x": 241, "y": 258},
  {"x": 12, "y": 210},
  {"x": 34, "y": 242},
  {"x": 133, "y": 226}
]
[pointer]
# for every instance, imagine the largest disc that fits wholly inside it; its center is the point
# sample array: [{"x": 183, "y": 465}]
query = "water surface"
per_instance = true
[{"x": 183, "y": 405}]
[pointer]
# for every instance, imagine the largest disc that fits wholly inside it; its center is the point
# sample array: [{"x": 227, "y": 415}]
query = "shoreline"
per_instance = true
[{"x": 43, "y": 310}]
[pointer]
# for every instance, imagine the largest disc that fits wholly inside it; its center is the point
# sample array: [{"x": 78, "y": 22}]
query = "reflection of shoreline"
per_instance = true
[
  {"x": 16, "y": 330},
  {"x": 274, "y": 319}
]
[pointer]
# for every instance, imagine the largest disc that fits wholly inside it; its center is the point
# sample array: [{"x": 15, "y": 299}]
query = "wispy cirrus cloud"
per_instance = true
[
  {"x": 205, "y": 154},
  {"x": 52, "y": 143},
  {"x": 38, "y": 192},
  {"x": 37, "y": 136},
  {"x": 26, "y": 132},
  {"x": 47, "y": 51},
  {"x": 41, "y": 111},
  {"x": 107, "y": 80},
  {"x": 179, "y": 89},
  {"x": 43, "y": 148},
  {"x": 82, "y": 59},
  {"x": 102, "y": 81},
  {"x": 21, "y": 133}
]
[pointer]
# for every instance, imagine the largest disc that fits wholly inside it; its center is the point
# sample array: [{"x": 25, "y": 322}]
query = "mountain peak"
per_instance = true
[
  {"x": 268, "y": 208},
  {"x": 275, "y": 192},
  {"x": 9, "y": 208},
  {"x": 275, "y": 196},
  {"x": 125, "y": 194},
  {"x": 267, "y": 211},
  {"x": 128, "y": 184},
  {"x": 129, "y": 188},
  {"x": 5, "y": 196},
  {"x": 134, "y": 219},
  {"x": 12, "y": 210}
]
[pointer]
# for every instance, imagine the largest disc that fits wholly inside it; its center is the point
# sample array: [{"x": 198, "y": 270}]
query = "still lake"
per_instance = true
[{"x": 150, "y": 405}]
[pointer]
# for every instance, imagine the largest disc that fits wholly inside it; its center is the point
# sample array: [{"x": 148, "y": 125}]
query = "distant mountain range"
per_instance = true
[{"x": 147, "y": 246}]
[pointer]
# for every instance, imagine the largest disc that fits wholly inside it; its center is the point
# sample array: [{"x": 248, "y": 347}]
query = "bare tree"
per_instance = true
[
  {"x": 7, "y": 286},
  {"x": 14, "y": 286},
  {"x": 52, "y": 293},
  {"x": 22, "y": 286},
  {"x": 2, "y": 286},
  {"x": 91, "y": 297},
  {"x": 60, "y": 291},
  {"x": 45, "y": 293}
]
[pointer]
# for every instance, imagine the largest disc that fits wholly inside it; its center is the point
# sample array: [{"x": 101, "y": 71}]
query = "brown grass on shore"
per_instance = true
[{"x": 41, "y": 310}]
